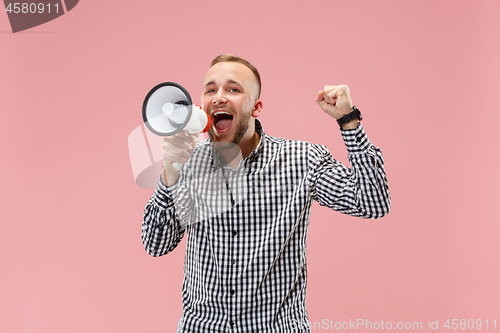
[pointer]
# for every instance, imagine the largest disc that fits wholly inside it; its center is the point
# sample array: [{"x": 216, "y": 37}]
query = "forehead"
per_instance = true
[{"x": 229, "y": 71}]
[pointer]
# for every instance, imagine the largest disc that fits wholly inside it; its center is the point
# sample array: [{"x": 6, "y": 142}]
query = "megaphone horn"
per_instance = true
[{"x": 168, "y": 109}]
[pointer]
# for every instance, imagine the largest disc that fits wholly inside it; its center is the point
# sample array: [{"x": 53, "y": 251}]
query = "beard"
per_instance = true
[{"x": 240, "y": 130}]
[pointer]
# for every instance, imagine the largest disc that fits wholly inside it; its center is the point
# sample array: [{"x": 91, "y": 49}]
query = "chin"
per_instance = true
[
  {"x": 224, "y": 145},
  {"x": 233, "y": 136}
]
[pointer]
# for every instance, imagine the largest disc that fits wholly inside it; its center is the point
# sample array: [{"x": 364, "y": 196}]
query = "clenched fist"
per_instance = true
[
  {"x": 335, "y": 101},
  {"x": 176, "y": 148}
]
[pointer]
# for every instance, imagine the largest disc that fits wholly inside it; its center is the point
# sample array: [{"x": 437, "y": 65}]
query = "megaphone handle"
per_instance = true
[{"x": 177, "y": 166}]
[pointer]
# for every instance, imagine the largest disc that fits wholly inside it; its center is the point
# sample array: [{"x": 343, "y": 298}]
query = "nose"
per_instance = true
[{"x": 219, "y": 98}]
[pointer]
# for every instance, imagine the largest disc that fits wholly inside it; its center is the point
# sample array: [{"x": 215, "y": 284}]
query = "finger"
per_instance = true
[
  {"x": 342, "y": 90},
  {"x": 347, "y": 90},
  {"x": 339, "y": 92},
  {"x": 168, "y": 160},
  {"x": 184, "y": 136},
  {"x": 178, "y": 156},
  {"x": 170, "y": 149},
  {"x": 320, "y": 98},
  {"x": 178, "y": 141},
  {"x": 194, "y": 139},
  {"x": 331, "y": 96},
  {"x": 327, "y": 89}
]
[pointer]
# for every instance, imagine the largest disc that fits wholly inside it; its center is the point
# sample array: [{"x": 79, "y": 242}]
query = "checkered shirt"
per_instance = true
[{"x": 245, "y": 262}]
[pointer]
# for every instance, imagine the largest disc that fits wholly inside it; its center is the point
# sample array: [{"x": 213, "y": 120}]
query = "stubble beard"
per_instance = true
[{"x": 241, "y": 129}]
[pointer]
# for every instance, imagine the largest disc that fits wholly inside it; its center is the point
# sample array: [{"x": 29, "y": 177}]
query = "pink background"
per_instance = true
[{"x": 425, "y": 74}]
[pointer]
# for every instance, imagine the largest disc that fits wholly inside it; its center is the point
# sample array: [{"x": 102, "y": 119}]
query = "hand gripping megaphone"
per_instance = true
[{"x": 168, "y": 109}]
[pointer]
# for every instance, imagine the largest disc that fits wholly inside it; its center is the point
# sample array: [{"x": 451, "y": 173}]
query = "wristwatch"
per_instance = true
[{"x": 354, "y": 114}]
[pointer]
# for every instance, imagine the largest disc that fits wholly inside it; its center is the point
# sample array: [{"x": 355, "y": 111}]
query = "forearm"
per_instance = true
[
  {"x": 373, "y": 197},
  {"x": 169, "y": 177},
  {"x": 359, "y": 191},
  {"x": 161, "y": 230}
]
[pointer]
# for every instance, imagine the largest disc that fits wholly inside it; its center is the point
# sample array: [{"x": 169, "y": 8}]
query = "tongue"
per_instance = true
[{"x": 223, "y": 124}]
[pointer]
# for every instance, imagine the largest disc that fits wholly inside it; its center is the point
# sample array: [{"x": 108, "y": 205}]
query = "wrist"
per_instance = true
[
  {"x": 169, "y": 177},
  {"x": 350, "y": 119},
  {"x": 353, "y": 124}
]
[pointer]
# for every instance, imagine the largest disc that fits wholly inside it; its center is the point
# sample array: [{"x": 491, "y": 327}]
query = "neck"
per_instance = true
[
  {"x": 230, "y": 156},
  {"x": 249, "y": 145},
  {"x": 234, "y": 154}
]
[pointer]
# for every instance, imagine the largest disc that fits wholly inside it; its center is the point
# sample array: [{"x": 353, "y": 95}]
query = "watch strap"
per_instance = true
[{"x": 354, "y": 114}]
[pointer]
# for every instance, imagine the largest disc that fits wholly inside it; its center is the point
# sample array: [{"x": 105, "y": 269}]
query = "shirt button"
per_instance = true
[
  {"x": 358, "y": 139},
  {"x": 231, "y": 323},
  {"x": 233, "y": 261},
  {"x": 235, "y": 233},
  {"x": 232, "y": 292}
]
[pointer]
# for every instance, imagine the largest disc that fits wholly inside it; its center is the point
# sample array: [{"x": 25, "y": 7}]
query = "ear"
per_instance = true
[{"x": 257, "y": 109}]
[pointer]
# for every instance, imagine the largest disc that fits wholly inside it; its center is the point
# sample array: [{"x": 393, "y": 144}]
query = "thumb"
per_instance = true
[{"x": 321, "y": 98}]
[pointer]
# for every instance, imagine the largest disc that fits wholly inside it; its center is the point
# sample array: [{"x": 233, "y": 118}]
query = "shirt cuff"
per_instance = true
[
  {"x": 356, "y": 140},
  {"x": 163, "y": 195}
]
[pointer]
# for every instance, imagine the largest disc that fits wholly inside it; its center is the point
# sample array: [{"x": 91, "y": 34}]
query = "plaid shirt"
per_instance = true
[{"x": 245, "y": 265}]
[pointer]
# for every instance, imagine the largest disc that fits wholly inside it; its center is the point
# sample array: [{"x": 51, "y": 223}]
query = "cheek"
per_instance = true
[
  {"x": 247, "y": 105},
  {"x": 205, "y": 102}
]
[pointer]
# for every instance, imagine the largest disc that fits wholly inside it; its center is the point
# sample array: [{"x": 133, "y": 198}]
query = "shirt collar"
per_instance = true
[{"x": 260, "y": 146}]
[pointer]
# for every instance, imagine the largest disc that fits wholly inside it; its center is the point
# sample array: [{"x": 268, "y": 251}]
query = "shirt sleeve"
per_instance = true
[
  {"x": 161, "y": 227},
  {"x": 362, "y": 190}
]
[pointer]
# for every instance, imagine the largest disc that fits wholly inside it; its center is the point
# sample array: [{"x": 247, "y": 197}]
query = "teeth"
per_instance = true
[{"x": 221, "y": 112}]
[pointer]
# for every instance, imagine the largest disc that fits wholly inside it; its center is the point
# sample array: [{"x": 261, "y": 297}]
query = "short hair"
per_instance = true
[{"x": 234, "y": 58}]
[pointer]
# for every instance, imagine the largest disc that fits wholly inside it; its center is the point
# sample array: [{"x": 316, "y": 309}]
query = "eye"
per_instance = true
[
  {"x": 234, "y": 90},
  {"x": 210, "y": 91}
]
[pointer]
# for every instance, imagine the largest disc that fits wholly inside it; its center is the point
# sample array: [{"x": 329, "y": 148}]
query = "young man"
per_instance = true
[{"x": 244, "y": 199}]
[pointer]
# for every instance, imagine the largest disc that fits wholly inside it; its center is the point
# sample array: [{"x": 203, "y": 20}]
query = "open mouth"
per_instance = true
[{"x": 222, "y": 121}]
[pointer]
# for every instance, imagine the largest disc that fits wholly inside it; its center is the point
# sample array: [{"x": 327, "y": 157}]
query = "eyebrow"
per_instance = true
[{"x": 228, "y": 81}]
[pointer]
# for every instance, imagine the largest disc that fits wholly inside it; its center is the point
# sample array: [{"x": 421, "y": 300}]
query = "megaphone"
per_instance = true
[{"x": 168, "y": 109}]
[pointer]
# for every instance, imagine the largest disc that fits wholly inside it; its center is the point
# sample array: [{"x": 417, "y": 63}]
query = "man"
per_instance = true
[{"x": 244, "y": 199}]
